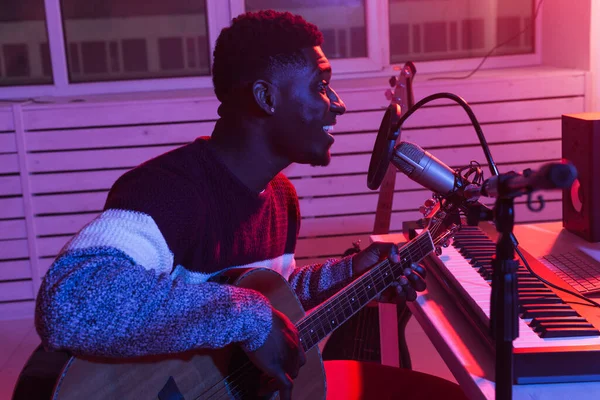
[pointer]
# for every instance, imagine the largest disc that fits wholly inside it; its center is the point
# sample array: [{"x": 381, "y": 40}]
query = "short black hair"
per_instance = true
[{"x": 255, "y": 42}]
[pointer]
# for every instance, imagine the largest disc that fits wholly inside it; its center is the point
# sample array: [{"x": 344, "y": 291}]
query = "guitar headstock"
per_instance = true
[
  {"x": 401, "y": 100},
  {"x": 401, "y": 92},
  {"x": 441, "y": 223}
]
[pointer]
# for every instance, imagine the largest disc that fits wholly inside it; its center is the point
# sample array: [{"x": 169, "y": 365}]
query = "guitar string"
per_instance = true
[
  {"x": 376, "y": 276},
  {"x": 343, "y": 306},
  {"x": 362, "y": 294},
  {"x": 243, "y": 370},
  {"x": 355, "y": 287},
  {"x": 234, "y": 388},
  {"x": 420, "y": 245},
  {"x": 321, "y": 313}
]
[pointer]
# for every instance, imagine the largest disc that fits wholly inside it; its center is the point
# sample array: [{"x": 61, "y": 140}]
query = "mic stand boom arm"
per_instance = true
[{"x": 465, "y": 106}]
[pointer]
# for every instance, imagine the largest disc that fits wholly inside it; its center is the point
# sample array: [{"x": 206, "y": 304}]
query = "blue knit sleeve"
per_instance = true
[
  {"x": 315, "y": 283},
  {"x": 111, "y": 292},
  {"x": 98, "y": 301}
]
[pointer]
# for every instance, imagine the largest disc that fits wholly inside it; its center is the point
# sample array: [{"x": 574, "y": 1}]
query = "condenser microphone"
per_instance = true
[
  {"x": 431, "y": 173},
  {"x": 428, "y": 171}
]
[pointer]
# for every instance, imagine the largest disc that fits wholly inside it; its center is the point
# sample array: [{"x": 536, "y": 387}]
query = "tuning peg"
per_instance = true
[
  {"x": 389, "y": 95},
  {"x": 430, "y": 203},
  {"x": 438, "y": 251},
  {"x": 393, "y": 81},
  {"x": 423, "y": 210}
]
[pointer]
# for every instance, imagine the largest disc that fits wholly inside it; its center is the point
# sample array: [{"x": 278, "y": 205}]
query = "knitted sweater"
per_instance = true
[{"x": 135, "y": 280}]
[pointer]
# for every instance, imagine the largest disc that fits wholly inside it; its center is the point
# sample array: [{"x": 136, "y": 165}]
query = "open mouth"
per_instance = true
[{"x": 328, "y": 129}]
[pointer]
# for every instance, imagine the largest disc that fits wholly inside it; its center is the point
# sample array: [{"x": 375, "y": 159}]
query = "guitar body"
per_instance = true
[{"x": 203, "y": 374}]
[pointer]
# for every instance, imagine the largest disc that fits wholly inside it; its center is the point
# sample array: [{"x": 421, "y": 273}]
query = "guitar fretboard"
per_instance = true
[{"x": 347, "y": 302}]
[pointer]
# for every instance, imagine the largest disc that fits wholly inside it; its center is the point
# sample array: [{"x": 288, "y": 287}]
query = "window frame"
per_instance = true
[
  {"x": 219, "y": 14},
  {"x": 444, "y": 67},
  {"x": 375, "y": 60}
]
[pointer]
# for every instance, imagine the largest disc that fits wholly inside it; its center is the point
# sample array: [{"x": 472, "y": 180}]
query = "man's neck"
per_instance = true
[{"x": 244, "y": 149}]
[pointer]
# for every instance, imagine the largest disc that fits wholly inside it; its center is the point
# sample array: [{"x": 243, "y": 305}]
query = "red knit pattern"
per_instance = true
[{"x": 209, "y": 219}]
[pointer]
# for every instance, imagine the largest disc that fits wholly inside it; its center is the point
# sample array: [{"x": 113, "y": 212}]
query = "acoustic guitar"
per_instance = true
[{"x": 227, "y": 373}]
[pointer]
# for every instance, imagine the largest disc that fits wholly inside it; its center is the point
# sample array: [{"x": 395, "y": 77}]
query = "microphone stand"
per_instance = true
[{"x": 504, "y": 320}]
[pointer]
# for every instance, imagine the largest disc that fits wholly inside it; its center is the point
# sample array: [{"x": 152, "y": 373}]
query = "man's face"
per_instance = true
[{"x": 306, "y": 111}]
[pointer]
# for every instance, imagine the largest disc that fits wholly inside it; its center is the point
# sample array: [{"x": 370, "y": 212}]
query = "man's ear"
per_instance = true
[{"x": 265, "y": 96}]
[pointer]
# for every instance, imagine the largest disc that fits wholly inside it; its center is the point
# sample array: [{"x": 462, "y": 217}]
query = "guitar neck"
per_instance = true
[
  {"x": 403, "y": 96},
  {"x": 339, "y": 308}
]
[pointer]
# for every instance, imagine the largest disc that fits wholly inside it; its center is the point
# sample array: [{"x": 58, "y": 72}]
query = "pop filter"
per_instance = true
[{"x": 389, "y": 132}]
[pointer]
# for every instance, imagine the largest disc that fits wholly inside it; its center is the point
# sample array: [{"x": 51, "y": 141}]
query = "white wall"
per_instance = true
[
  {"x": 566, "y": 28},
  {"x": 594, "y": 77}
]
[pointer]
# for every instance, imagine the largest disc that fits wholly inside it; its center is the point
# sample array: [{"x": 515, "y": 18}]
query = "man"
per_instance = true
[{"x": 135, "y": 281}]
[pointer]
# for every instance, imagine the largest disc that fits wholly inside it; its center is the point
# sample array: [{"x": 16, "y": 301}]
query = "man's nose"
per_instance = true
[{"x": 337, "y": 104}]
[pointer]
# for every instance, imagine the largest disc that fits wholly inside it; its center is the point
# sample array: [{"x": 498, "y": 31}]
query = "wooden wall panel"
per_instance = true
[
  {"x": 6, "y": 119},
  {"x": 16, "y": 286},
  {"x": 8, "y": 143}
]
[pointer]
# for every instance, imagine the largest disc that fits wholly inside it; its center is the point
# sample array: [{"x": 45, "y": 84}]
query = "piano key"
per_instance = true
[
  {"x": 478, "y": 244},
  {"x": 474, "y": 232},
  {"x": 531, "y": 284},
  {"x": 480, "y": 262},
  {"x": 529, "y": 291},
  {"x": 488, "y": 266},
  {"x": 469, "y": 242},
  {"x": 479, "y": 247},
  {"x": 540, "y": 300},
  {"x": 546, "y": 290},
  {"x": 568, "y": 332},
  {"x": 481, "y": 259},
  {"x": 531, "y": 307},
  {"x": 520, "y": 272},
  {"x": 549, "y": 320},
  {"x": 549, "y": 325},
  {"x": 548, "y": 312}
]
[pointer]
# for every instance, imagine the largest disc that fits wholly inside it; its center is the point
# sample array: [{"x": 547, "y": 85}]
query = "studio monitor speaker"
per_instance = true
[{"x": 581, "y": 146}]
